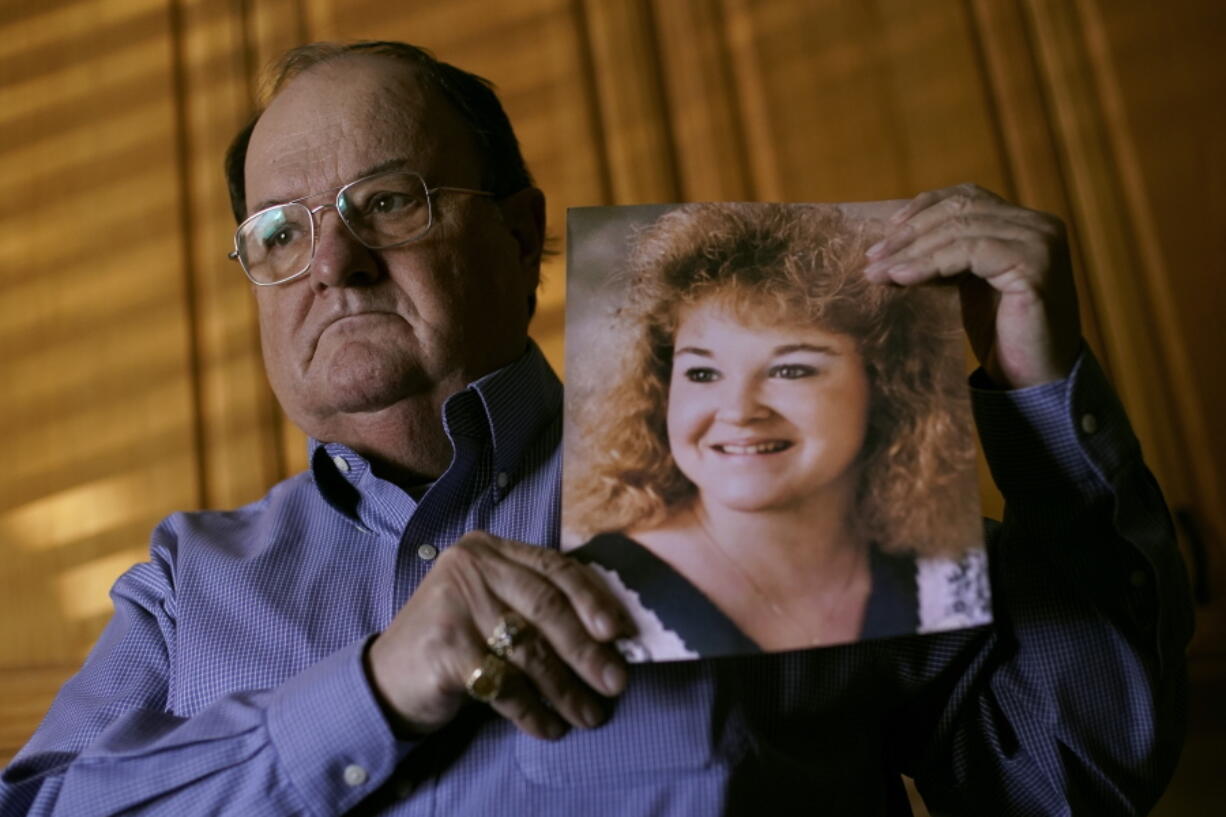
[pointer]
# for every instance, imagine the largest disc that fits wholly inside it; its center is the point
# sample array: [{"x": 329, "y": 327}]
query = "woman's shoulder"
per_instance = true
[{"x": 675, "y": 619}]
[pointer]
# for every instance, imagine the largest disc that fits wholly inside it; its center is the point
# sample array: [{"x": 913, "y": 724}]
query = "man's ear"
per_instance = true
[{"x": 524, "y": 214}]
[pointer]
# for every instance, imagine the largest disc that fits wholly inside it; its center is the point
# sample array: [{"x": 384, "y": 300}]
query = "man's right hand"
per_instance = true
[{"x": 560, "y": 671}]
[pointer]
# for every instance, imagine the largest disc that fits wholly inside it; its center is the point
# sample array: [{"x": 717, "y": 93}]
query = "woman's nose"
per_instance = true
[{"x": 741, "y": 402}]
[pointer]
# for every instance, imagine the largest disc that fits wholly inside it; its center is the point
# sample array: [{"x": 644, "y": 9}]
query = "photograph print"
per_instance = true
[{"x": 763, "y": 450}]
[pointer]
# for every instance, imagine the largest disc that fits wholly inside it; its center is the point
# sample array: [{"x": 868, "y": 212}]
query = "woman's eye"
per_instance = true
[
  {"x": 792, "y": 371},
  {"x": 701, "y": 374}
]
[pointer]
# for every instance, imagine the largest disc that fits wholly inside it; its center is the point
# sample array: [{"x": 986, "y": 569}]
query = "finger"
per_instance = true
[
  {"x": 545, "y": 588},
  {"x": 968, "y": 227},
  {"x": 931, "y": 198},
  {"x": 1005, "y": 264},
  {"x": 915, "y": 205},
  {"x": 931, "y": 210},
  {"x": 557, "y": 685},
  {"x": 979, "y": 234},
  {"x": 957, "y": 207},
  {"x": 956, "y": 198},
  {"x": 521, "y": 704},
  {"x": 601, "y": 612},
  {"x": 515, "y": 696},
  {"x": 550, "y": 610}
]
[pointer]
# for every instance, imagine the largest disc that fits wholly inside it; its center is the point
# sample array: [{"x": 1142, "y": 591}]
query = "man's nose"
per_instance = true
[
  {"x": 340, "y": 258},
  {"x": 741, "y": 402}
]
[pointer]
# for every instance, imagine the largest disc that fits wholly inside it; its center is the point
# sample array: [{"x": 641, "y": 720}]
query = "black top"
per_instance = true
[{"x": 893, "y": 603}]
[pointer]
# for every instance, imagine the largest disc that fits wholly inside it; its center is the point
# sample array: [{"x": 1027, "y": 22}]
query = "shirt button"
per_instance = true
[
  {"x": 354, "y": 775},
  {"x": 1089, "y": 423},
  {"x": 426, "y": 552},
  {"x": 502, "y": 479},
  {"x": 1138, "y": 578},
  {"x": 341, "y": 464}
]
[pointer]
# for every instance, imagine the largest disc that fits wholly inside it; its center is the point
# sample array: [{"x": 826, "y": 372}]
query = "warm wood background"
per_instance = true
[{"x": 128, "y": 354}]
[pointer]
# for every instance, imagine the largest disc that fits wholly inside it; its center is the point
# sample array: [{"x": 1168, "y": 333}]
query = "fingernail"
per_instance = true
[
  {"x": 875, "y": 249},
  {"x": 874, "y": 269},
  {"x": 555, "y": 729},
  {"x": 606, "y": 627},
  {"x": 614, "y": 677},
  {"x": 592, "y": 715},
  {"x": 900, "y": 214}
]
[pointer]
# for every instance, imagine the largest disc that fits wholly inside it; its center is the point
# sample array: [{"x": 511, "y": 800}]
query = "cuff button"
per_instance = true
[
  {"x": 354, "y": 775},
  {"x": 1089, "y": 423}
]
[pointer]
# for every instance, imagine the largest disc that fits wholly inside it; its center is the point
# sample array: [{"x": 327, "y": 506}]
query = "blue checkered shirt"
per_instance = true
[{"x": 230, "y": 679}]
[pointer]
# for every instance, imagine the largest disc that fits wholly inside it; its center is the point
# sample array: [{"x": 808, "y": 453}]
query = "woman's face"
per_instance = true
[{"x": 763, "y": 418}]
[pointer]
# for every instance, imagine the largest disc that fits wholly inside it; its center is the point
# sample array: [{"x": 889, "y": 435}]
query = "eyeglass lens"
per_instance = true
[{"x": 381, "y": 211}]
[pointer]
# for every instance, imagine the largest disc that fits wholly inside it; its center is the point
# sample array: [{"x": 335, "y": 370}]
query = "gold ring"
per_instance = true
[
  {"x": 485, "y": 682},
  {"x": 508, "y": 634}
]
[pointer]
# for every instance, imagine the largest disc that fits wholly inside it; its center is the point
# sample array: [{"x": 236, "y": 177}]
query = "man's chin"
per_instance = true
[
  {"x": 373, "y": 395},
  {"x": 361, "y": 389}
]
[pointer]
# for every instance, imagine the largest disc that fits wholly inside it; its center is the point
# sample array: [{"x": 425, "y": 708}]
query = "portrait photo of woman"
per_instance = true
[{"x": 763, "y": 450}]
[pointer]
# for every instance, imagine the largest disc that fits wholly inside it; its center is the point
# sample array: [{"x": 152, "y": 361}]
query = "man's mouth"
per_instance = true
[{"x": 739, "y": 449}]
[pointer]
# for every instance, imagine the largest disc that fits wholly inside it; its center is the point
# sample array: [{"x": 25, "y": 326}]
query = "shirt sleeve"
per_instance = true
[
  {"x": 317, "y": 744},
  {"x": 1073, "y": 701}
]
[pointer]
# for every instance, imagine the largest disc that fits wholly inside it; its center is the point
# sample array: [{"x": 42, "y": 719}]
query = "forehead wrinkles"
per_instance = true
[{"x": 332, "y": 123}]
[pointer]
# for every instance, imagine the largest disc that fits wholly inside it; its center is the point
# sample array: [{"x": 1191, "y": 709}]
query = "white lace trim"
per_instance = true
[
  {"x": 654, "y": 641},
  {"x": 953, "y": 593}
]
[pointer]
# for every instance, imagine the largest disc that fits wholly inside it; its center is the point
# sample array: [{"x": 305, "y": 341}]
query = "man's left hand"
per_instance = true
[{"x": 1019, "y": 303}]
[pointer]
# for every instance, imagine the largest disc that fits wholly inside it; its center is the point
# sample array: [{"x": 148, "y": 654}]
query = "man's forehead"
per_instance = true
[{"x": 337, "y": 120}]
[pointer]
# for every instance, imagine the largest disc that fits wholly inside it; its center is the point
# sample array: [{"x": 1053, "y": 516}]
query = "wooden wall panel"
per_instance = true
[
  {"x": 95, "y": 341},
  {"x": 240, "y": 447},
  {"x": 701, "y": 103},
  {"x": 1160, "y": 84},
  {"x": 634, "y": 119},
  {"x": 860, "y": 101}
]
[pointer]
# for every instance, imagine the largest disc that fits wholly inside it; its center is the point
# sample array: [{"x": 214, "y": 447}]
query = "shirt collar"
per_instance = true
[
  {"x": 520, "y": 401},
  {"x": 510, "y": 407}
]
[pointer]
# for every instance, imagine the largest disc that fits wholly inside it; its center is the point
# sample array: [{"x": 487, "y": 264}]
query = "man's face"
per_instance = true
[{"x": 368, "y": 330}]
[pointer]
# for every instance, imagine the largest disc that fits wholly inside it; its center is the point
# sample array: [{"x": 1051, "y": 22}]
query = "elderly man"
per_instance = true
[{"x": 318, "y": 651}]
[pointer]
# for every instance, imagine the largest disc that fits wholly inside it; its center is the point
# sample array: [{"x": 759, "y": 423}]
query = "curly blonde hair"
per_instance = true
[{"x": 772, "y": 264}]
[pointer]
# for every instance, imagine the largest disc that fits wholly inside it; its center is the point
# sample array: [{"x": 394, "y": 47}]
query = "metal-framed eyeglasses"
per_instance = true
[{"x": 384, "y": 210}]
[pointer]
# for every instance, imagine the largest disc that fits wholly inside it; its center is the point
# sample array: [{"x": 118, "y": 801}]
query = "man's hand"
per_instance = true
[
  {"x": 419, "y": 665},
  {"x": 1019, "y": 304}
]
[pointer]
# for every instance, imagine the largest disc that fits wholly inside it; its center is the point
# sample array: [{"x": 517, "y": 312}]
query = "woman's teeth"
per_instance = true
[{"x": 756, "y": 448}]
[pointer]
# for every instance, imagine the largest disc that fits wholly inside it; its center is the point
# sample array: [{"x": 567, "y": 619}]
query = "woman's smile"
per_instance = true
[{"x": 752, "y": 448}]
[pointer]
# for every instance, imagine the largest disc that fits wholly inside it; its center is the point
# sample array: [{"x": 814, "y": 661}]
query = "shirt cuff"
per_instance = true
[
  {"x": 1065, "y": 458},
  {"x": 330, "y": 733},
  {"x": 1066, "y": 438}
]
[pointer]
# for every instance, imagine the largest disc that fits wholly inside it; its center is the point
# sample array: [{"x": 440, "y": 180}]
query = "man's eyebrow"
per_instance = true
[{"x": 399, "y": 163}]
